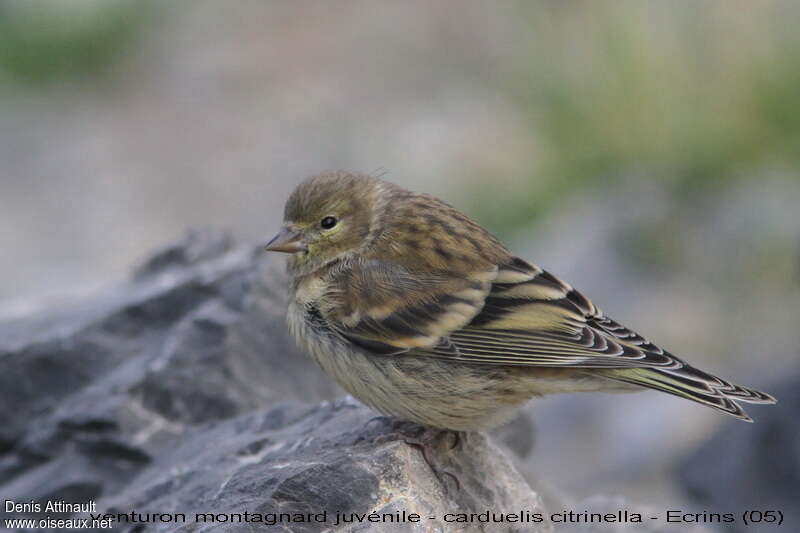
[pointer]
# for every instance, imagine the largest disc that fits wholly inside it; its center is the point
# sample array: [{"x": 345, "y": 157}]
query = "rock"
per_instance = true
[
  {"x": 196, "y": 246},
  {"x": 335, "y": 458},
  {"x": 161, "y": 393},
  {"x": 90, "y": 393},
  {"x": 751, "y": 467}
]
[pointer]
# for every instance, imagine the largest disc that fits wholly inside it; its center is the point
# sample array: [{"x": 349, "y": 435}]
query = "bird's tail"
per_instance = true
[{"x": 693, "y": 384}]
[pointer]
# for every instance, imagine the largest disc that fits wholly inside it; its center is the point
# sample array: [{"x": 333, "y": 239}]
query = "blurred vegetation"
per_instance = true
[
  {"x": 45, "y": 41},
  {"x": 696, "y": 94}
]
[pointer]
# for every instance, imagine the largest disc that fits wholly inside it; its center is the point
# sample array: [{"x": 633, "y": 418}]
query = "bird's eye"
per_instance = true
[{"x": 328, "y": 222}]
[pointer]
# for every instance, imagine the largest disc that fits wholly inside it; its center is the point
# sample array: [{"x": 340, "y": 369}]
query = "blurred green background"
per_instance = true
[{"x": 645, "y": 151}]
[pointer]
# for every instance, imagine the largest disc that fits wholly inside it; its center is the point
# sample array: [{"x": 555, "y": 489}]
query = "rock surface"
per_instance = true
[
  {"x": 180, "y": 392},
  {"x": 335, "y": 458}
]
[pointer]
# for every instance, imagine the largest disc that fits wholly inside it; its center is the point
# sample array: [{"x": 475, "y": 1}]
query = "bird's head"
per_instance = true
[{"x": 328, "y": 217}]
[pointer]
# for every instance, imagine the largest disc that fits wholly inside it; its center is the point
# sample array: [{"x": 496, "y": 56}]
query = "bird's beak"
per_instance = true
[{"x": 288, "y": 241}]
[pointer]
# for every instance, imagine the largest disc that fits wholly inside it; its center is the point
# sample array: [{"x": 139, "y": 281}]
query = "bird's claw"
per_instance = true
[{"x": 422, "y": 438}]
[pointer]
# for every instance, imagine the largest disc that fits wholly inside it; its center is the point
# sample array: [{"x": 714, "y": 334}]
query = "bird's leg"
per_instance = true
[
  {"x": 422, "y": 438},
  {"x": 428, "y": 439},
  {"x": 383, "y": 419}
]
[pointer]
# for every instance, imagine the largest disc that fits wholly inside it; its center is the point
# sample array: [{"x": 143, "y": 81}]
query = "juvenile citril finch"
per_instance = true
[{"x": 423, "y": 315}]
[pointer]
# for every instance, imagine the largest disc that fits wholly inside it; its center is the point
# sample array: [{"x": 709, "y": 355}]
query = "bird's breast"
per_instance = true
[{"x": 309, "y": 289}]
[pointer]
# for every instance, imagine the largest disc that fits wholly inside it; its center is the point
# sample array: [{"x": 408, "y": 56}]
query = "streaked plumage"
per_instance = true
[{"x": 422, "y": 314}]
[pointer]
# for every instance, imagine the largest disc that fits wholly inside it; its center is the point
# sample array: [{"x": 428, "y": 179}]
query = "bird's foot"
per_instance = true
[{"x": 425, "y": 439}]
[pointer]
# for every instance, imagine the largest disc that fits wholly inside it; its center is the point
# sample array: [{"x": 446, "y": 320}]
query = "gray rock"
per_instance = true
[
  {"x": 91, "y": 392},
  {"x": 335, "y": 458},
  {"x": 160, "y": 394}
]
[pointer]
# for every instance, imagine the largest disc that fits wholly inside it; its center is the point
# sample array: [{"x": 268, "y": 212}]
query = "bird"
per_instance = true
[{"x": 425, "y": 316}]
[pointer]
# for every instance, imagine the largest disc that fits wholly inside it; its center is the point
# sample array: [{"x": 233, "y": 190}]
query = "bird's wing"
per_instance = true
[
  {"x": 531, "y": 318},
  {"x": 515, "y": 314},
  {"x": 387, "y": 308},
  {"x": 511, "y": 314}
]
